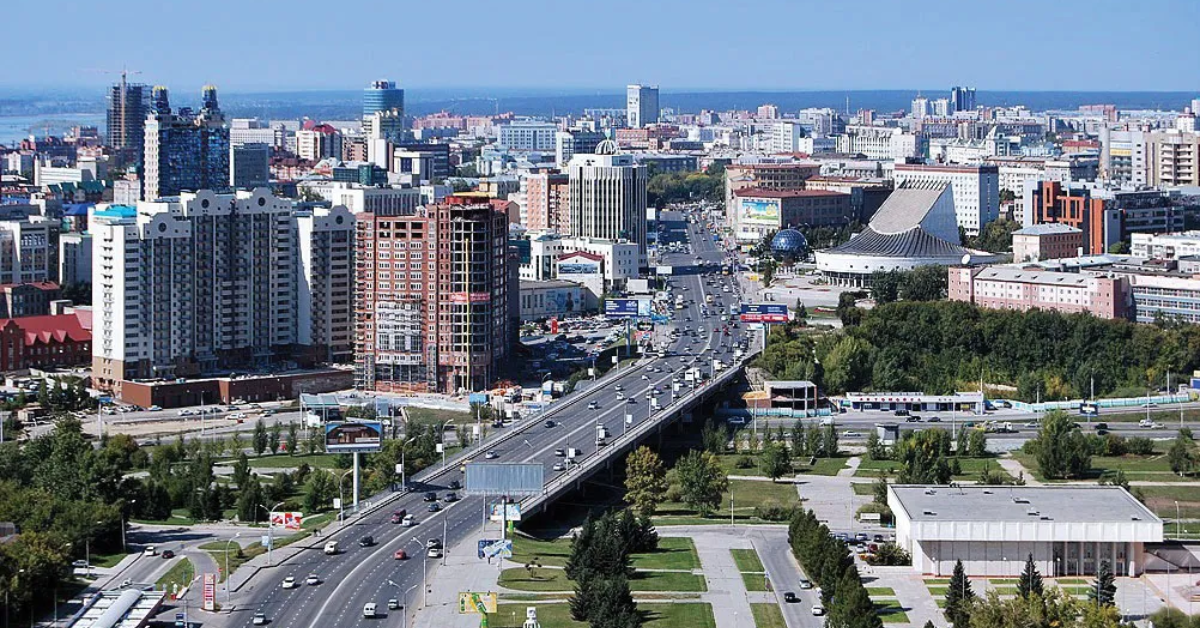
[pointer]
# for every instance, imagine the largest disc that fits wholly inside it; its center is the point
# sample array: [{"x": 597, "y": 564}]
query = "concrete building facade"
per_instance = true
[
  {"x": 1046, "y": 241},
  {"x": 608, "y": 197},
  {"x": 1021, "y": 289},
  {"x": 976, "y": 190}
]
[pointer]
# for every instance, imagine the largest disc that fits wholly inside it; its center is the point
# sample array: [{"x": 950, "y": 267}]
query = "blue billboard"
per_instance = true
[
  {"x": 764, "y": 313},
  {"x": 627, "y": 308}
]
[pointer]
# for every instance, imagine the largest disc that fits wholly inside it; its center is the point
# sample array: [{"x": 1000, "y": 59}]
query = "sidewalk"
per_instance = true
[
  {"x": 1018, "y": 470},
  {"x": 726, "y": 590},
  {"x": 464, "y": 571}
]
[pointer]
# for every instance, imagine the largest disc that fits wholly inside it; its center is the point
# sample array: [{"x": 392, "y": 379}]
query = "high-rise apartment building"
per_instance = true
[
  {"x": 1172, "y": 158},
  {"x": 249, "y": 165},
  {"x": 128, "y": 105},
  {"x": 28, "y": 250},
  {"x": 608, "y": 197},
  {"x": 185, "y": 151},
  {"x": 547, "y": 202},
  {"x": 920, "y": 108},
  {"x": 207, "y": 282},
  {"x": 527, "y": 135},
  {"x": 641, "y": 105},
  {"x": 74, "y": 258},
  {"x": 432, "y": 295},
  {"x": 962, "y": 99},
  {"x": 321, "y": 141},
  {"x": 976, "y": 189}
]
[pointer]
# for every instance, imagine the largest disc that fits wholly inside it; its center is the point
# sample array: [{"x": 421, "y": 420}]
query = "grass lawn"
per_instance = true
[
  {"x": 1155, "y": 467},
  {"x": 1076, "y": 590},
  {"x": 880, "y": 592},
  {"x": 970, "y": 467},
  {"x": 937, "y": 581},
  {"x": 216, "y": 549},
  {"x": 747, "y": 560},
  {"x": 890, "y": 611},
  {"x": 862, "y": 488},
  {"x": 689, "y": 615},
  {"x": 673, "y": 553},
  {"x": 824, "y": 466},
  {"x": 107, "y": 560},
  {"x": 747, "y": 494},
  {"x": 548, "y": 579},
  {"x": 284, "y": 461},
  {"x": 1161, "y": 499},
  {"x": 178, "y": 577},
  {"x": 755, "y": 581},
  {"x": 938, "y": 590},
  {"x": 767, "y": 616},
  {"x": 1070, "y": 581},
  {"x": 437, "y": 415}
]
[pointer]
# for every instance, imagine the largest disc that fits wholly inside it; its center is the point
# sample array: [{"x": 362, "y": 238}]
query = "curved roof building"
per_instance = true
[{"x": 916, "y": 226}]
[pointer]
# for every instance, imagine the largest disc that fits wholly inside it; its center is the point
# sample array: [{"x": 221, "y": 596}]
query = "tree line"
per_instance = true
[
  {"x": 828, "y": 563},
  {"x": 599, "y": 564},
  {"x": 1034, "y": 605}
]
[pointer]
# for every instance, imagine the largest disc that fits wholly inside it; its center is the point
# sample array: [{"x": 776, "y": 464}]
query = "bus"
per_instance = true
[{"x": 1089, "y": 408}]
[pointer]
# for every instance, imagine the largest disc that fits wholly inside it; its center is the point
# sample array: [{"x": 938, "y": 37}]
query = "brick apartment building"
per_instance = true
[{"x": 43, "y": 342}]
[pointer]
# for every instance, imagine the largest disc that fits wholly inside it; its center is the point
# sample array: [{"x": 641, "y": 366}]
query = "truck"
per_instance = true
[
  {"x": 601, "y": 435},
  {"x": 331, "y": 548}
]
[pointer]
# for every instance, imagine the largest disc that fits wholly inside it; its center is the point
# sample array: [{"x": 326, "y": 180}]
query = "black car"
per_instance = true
[
  {"x": 431, "y": 496},
  {"x": 549, "y": 423},
  {"x": 168, "y": 554},
  {"x": 451, "y": 498},
  {"x": 455, "y": 485},
  {"x": 878, "y": 538},
  {"x": 790, "y": 597},
  {"x": 434, "y": 507},
  {"x": 366, "y": 541}
]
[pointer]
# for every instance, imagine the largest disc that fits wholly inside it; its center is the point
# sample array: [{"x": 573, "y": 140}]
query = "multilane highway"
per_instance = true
[{"x": 358, "y": 575}]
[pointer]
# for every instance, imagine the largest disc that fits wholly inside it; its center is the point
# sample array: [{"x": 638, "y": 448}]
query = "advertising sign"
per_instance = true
[
  {"x": 477, "y": 398},
  {"x": 471, "y": 603},
  {"x": 764, "y": 313},
  {"x": 210, "y": 592},
  {"x": 513, "y": 514},
  {"x": 287, "y": 520},
  {"x": 760, "y": 211},
  {"x": 626, "y": 308},
  {"x": 473, "y": 297},
  {"x": 352, "y": 436},
  {"x": 502, "y": 548},
  {"x": 578, "y": 266}
]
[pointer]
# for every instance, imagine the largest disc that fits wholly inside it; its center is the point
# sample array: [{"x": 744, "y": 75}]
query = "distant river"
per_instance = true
[{"x": 16, "y": 128}]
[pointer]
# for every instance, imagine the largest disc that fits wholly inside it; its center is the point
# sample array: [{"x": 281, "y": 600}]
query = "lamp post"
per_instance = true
[
  {"x": 442, "y": 438},
  {"x": 424, "y": 575},
  {"x": 123, "y": 547},
  {"x": 235, "y": 536},
  {"x": 1178, "y": 521},
  {"x": 403, "y": 469},
  {"x": 270, "y": 532}
]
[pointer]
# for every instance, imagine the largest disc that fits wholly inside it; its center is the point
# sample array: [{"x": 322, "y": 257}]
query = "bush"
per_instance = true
[
  {"x": 885, "y": 513},
  {"x": 1139, "y": 446},
  {"x": 771, "y": 511},
  {"x": 744, "y": 462}
]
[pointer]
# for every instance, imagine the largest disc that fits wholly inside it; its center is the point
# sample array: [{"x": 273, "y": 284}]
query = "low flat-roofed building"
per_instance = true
[
  {"x": 914, "y": 401},
  {"x": 127, "y": 607},
  {"x": 1050, "y": 240},
  {"x": 1068, "y": 529}
]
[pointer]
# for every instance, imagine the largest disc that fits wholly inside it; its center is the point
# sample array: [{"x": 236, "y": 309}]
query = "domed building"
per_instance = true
[{"x": 789, "y": 243}]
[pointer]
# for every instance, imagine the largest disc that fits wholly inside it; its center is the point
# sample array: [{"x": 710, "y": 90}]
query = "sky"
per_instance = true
[{"x": 681, "y": 45}]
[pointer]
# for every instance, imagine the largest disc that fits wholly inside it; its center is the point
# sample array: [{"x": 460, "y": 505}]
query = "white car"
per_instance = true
[
  {"x": 312, "y": 580},
  {"x": 434, "y": 552},
  {"x": 260, "y": 619},
  {"x": 289, "y": 582},
  {"x": 818, "y": 610},
  {"x": 150, "y": 551}
]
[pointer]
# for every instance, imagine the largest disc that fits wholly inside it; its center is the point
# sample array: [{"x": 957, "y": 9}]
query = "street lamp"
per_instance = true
[
  {"x": 123, "y": 547},
  {"x": 424, "y": 575},
  {"x": 403, "y": 469},
  {"x": 235, "y": 536},
  {"x": 270, "y": 531}
]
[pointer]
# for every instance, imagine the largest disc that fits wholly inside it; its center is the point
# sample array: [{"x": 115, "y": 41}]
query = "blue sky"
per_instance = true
[{"x": 270, "y": 45}]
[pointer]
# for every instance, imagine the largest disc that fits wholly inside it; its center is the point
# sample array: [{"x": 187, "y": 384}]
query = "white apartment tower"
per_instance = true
[
  {"x": 608, "y": 197},
  {"x": 976, "y": 189},
  {"x": 641, "y": 105}
]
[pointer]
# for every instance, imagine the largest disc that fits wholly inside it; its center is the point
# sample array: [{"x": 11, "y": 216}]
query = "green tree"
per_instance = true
[
  {"x": 1103, "y": 591},
  {"x": 322, "y": 488},
  {"x": 1030, "y": 581},
  {"x": 885, "y": 286},
  {"x": 977, "y": 444},
  {"x": 775, "y": 461},
  {"x": 701, "y": 481},
  {"x": 250, "y": 497},
  {"x": 241, "y": 470},
  {"x": 851, "y": 606},
  {"x": 1182, "y": 453},
  {"x": 645, "y": 480},
  {"x": 1061, "y": 448},
  {"x": 273, "y": 438},
  {"x": 959, "y": 596},
  {"x": 799, "y": 442},
  {"x": 924, "y": 283},
  {"x": 714, "y": 436},
  {"x": 875, "y": 447},
  {"x": 848, "y": 365},
  {"x": 829, "y": 441},
  {"x": 260, "y": 437},
  {"x": 293, "y": 438}
]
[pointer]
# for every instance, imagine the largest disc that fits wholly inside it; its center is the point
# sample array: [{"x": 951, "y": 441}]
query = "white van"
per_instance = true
[
  {"x": 369, "y": 610},
  {"x": 331, "y": 548}
]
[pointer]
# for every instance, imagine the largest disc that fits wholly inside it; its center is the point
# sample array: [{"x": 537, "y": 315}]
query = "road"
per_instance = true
[{"x": 359, "y": 575}]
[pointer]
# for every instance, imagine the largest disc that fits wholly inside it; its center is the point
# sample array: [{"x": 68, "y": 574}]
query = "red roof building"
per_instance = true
[{"x": 43, "y": 341}]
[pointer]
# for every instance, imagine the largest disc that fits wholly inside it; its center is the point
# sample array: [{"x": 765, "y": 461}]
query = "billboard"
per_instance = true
[
  {"x": 473, "y": 297},
  {"x": 511, "y": 513},
  {"x": 287, "y": 520},
  {"x": 761, "y": 211},
  {"x": 578, "y": 265},
  {"x": 764, "y": 313},
  {"x": 626, "y": 308},
  {"x": 504, "y": 478},
  {"x": 472, "y": 603},
  {"x": 353, "y": 436}
]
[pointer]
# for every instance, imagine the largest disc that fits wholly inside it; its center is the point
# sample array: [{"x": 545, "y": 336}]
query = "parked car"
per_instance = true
[{"x": 818, "y": 609}]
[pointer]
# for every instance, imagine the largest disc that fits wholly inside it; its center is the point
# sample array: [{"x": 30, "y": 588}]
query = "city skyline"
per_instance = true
[{"x": 874, "y": 49}]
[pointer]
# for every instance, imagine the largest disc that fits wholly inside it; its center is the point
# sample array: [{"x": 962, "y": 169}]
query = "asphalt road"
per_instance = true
[{"x": 359, "y": 575}]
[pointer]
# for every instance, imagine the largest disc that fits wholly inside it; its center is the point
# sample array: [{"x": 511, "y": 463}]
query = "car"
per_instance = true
[
  {"x": 805, "y": 584},
  {"x": 369, "y": 610},
  {"x": 618, "y": 388},
  {"x": 409, "y": 521},
  {"x": 289, "y": 582},
  {"x": 154, "y": 408},
  {"x": 433, "y": 542},
  {"x": 312, "y": 580},
  {"x": 150, "y": 551},
  {"x": 901, "y": 412},
  {"x": 497, "y": 424},
  {"x": 430, "y": 496},
  {"x": 933, "y": 419},
  {"x": 1101, "y": 426},
  {"x": 861, "y": 536},
  {"x": 558, "y": 466},
  {"x": 631, "y": 400},
  {"x": 366, "y": 541},
  {"x": 259, "y": 619},
  {"x": 818, "y": 609},
  {"x": 434, "y": 507},
  {"x": 560, "y": 452},
  {"x": 455, "y": 485},
  {"x": 400, "y": 555},
  {"x": 549, "y": 423},
  {"x": 878, "y": 538},
  {"x": 393, "y": 604},
  {"x": 913, "y": 419},
  {"x": 168, "y": 554},
  {"x": 860, "y": 549},
  {"x": 398, "y": 516},
  {"x": 451, "y": 498},
  {"x": 81, "y": 563},
  {"x": 645, "y": 377},
  {"x": 434, "y": 552},
  {"x": 491, "y": 454},
  {"x": 790, "y": 597}
]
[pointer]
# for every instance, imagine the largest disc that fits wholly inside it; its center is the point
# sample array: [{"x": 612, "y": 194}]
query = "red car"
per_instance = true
[{"x": 401, "y": 555}]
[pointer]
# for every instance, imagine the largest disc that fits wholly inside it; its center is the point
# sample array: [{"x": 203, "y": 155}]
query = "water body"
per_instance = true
[{"x": 13, "y": 129}]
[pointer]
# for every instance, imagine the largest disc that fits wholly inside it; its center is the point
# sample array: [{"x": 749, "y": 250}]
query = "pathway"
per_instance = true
[
  {"x": 1016, "y": 469},
  {"x": 851, "y": 467},
  {"x": 726, "y": 590}
]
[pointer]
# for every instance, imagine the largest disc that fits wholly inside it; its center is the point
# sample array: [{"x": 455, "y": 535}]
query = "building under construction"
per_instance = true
[{"x": 432, "y": 294}]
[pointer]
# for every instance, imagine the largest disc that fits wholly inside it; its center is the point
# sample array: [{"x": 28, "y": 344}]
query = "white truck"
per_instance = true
[
  {"x": 601, "y": 435},
  {"x": 331, "y": 548}
]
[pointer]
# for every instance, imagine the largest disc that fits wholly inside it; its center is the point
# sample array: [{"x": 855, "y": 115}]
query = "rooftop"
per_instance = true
[
  {"x": 1061, "y": 504},
  {"x": 765, "y": 193},
  {"x": 1035, "y": 276},
  {"x": 1049, "y": 228}
]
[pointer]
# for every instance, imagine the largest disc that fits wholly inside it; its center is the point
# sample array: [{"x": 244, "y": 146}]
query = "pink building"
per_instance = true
[
  {"x": 1013, "y": 288},
  {"x": 1050, "y": 240}
]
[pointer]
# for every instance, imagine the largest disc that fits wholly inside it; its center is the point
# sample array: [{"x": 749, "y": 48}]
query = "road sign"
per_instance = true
[
  {"x": 764, "y": 313},
  {"x": 471, "y": 603},
  {"x": 480, "y": 398},
  {"x": 353, "y": 436}
]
